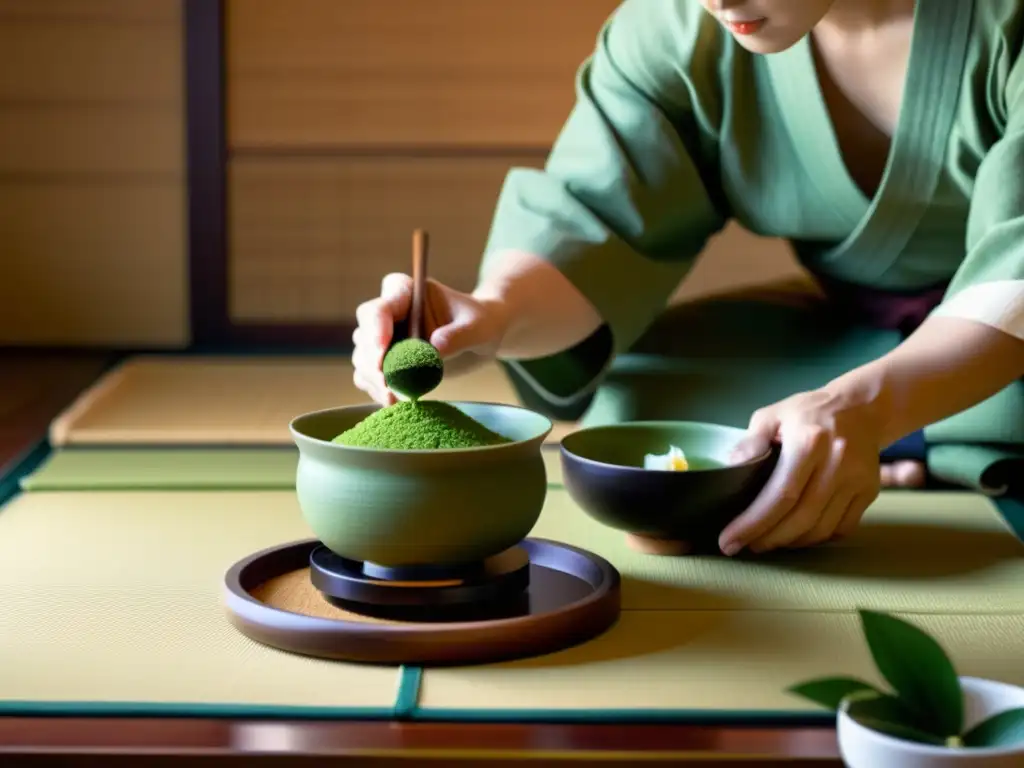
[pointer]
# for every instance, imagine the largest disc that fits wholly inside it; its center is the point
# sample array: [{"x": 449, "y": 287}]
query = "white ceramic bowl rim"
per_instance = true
[{"x": 927, "y": 750}]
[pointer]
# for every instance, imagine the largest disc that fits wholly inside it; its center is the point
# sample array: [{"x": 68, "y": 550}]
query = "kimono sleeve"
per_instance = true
[
  {"x": 989, "y": 285},
  {"x": 624, "y": 204}
]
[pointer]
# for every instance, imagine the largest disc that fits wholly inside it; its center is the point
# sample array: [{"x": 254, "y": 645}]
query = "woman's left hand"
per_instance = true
[{"x": 826, "y": 477}]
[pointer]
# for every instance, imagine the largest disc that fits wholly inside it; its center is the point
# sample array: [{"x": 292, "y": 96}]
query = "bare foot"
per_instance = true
[{"x": 903, "y": 474}]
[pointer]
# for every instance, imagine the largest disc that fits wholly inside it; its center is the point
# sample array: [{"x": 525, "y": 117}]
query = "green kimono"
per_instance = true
[{"x": 677, "y": 130}]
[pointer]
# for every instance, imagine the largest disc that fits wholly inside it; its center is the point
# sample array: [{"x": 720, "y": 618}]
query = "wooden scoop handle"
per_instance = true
[{"x": 420, "y": 243}]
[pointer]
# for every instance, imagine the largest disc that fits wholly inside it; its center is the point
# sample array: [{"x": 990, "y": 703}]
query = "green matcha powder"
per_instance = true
[
  {"x": 413, "y": 367},
  {"x": 417, "y": 426}
]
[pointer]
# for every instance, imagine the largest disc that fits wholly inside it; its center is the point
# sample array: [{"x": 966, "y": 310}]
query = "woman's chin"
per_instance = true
[{"x": 764, "y": 45}]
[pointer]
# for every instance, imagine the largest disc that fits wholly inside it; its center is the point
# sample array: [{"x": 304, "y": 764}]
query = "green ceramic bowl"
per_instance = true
[
  {"x": 603, "y": 472},
  {"x": 405, "y": 508}
]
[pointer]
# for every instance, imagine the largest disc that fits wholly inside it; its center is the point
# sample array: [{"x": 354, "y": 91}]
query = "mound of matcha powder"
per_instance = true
[{"x": 417, "y": 426}]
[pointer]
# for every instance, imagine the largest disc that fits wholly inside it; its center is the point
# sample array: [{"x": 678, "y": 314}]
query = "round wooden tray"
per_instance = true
[{"x": 573, "y": 596}]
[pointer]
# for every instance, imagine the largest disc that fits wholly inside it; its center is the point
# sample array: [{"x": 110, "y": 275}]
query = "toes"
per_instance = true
[
  {"x": 886, "y": 475},
  {"x": 903, "y": 474},
  {"x": 909, "y": 474}
]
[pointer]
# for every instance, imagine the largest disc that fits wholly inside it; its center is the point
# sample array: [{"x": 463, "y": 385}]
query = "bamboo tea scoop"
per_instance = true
[
  {"x": 417, "y": 318},
  {"x": 413, "y": 367}
]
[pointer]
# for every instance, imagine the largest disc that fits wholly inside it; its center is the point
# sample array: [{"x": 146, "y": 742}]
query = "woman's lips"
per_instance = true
[{"x": 745, "y": 27}]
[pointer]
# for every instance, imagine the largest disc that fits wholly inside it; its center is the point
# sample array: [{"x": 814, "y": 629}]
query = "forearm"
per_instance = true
[
  {"x": 544, "y": 312},
  {"x": 945, "y": 367}
]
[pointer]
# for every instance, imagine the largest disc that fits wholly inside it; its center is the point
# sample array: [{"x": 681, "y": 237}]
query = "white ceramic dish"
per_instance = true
[{"x": 862, "y": 747}]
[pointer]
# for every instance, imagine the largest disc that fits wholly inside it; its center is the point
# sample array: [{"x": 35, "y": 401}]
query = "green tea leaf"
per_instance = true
[
  {"x": 918, "y": 669},
  {"x": 1000, "y": 730},
  {"x": 901, "y": 732},
  {"x": 829, "y": 692},
  {"x": 887, "y": 714}
]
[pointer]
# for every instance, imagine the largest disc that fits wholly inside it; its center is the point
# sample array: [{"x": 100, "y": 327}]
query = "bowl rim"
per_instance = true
[
  {"x": 655, "y": 423},
  {"x": 371, "y": 407},
  {"x": 867, "y": 735}
]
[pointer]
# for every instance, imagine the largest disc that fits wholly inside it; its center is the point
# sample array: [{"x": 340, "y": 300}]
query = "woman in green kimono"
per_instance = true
[{"x": 883, "y": 138}]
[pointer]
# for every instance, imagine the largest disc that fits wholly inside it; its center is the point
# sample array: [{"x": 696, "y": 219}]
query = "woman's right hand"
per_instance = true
[{"x": 455, "y": 323}]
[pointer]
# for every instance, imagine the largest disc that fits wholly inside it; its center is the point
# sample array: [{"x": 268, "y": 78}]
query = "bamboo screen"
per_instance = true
[
  {"x": 92, "y": 184},
  {"x": 353, "y": 121}
]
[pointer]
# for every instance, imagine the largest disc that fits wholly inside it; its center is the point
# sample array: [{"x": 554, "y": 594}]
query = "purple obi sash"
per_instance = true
[{"x": 901, "y": 311}]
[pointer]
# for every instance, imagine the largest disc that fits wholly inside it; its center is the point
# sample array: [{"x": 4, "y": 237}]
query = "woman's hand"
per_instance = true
[
  {"x": 456, "y": 323},
  {"x": 828, "y": 470},
  {"x": 826, "y": 478}
]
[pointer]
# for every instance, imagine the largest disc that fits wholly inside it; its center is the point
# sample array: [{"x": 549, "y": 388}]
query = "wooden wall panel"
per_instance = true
[
  {"x": 106, "y": 11},
  {"x": 66, "y": 140},
  {"x": 405, "y": 72},
  {"x": 91, "y": 61},
  {"x": 312, "y": 237},
  {"x": 92, "y": 181},
  {"x": 91, "y": 262}
]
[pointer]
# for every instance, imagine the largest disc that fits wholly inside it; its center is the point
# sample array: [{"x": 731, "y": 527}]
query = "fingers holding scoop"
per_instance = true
[
  {"x": 375, "y": 328},
  {"x": 376, "y": 318}
]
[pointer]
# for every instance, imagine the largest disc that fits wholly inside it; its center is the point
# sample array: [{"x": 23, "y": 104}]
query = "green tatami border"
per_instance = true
[
  {"x": 53, "y": 475},
  {"x": 409, "y": 683},
  {"x": 22, "y": 466},
  {"x": 407, "y": 707},
  {"x": 1012, "y": 510}
]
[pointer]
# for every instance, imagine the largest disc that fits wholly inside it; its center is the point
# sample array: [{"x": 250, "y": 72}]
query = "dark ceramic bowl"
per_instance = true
[
  {"x": 603, "y": 470},
  {"x": 437, "y": 507}
]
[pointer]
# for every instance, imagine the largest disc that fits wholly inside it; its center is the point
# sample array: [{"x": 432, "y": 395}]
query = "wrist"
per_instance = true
[
  {"x": 872, "y": 393},
  {"x": 496, "y": 303},
  {"x": 542, "y": 313}
]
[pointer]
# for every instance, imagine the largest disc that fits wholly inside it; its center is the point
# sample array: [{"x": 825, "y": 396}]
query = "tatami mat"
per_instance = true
[
  {"x": 114, "y": 599},
  {"x": 168, "y": 400},
  {"x": 143, "y": 468},
  {"x": 715, "y": 662},
  {"x": 937, "y": 552}
]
